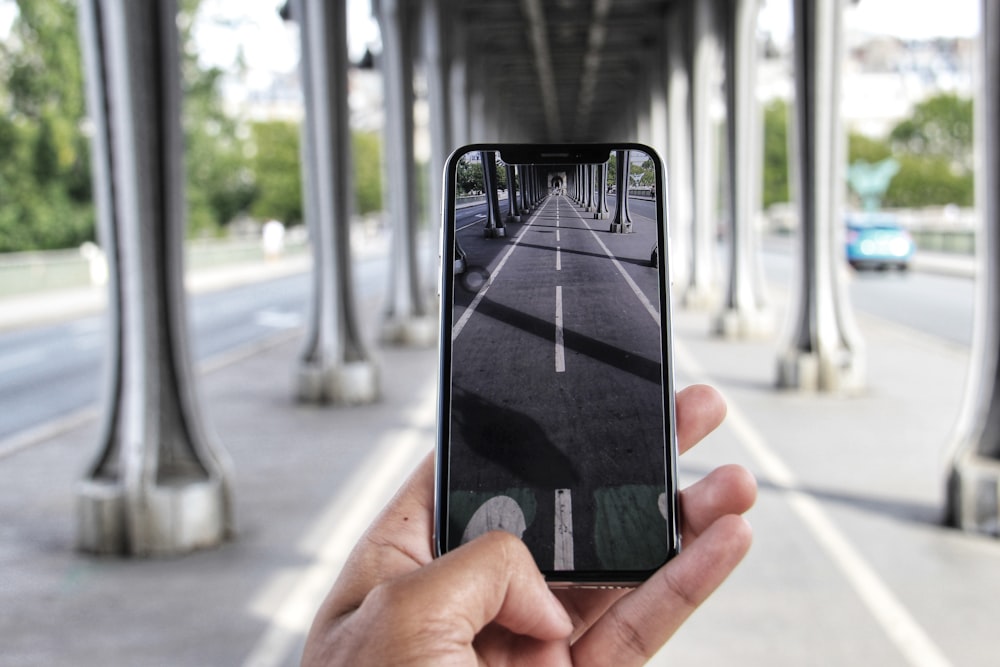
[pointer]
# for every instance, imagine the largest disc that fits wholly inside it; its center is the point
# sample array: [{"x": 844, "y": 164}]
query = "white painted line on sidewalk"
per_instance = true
[
  {"x": 21, "y": 359},
  {"x": 895, "y": 619},
  {"x": 560, "y": 347},
  {"x": 332, "y": 537},
  {"x": 464, "y": 319},
  {"x": 647, "y": 304},
  {"x": 563, "y": 558}
]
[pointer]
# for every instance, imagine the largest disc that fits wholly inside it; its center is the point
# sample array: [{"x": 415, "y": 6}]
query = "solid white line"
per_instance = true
[
  {"x": 647, "y": 304},
  {"x": 894, "y": 618},
  {"x": 21, "y": 359},
  {"x": 464, "y": 319},
  {"x": 332, "y": 537},
  {"x": 563, "y": 557},
  {"x": 560, "y": 349}
]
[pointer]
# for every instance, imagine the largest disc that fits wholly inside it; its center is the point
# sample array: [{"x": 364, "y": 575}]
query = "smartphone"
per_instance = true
[{"x": 556, "y": 397}]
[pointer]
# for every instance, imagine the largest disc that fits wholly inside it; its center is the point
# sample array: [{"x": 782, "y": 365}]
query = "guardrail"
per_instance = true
[{"x": 29, "y": 272}]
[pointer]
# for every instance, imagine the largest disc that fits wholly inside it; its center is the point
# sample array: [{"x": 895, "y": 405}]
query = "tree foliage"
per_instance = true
[
  {"x": 278, "y": 173},
  {"x": 45, "y": 165},
  {"x": 775, "y": 186}
]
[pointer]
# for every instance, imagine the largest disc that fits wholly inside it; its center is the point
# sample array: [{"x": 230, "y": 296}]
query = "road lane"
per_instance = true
[{"x": 556, "y": 385}]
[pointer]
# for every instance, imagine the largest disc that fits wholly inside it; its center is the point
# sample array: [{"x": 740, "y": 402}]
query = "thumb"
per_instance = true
[{"x": 494, "y": 579}]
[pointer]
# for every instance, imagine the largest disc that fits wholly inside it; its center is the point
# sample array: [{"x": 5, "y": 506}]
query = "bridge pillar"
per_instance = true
[
  {"x": 407, "y": 319},
  {"x": 524, "y": 191},
  {"x": 437, "y": 58},
  {"x": 825, "y": 351},
  {"x": 494, "y": 227},
  {"x": 974, "y": 476},
  {"x": 702, "y": 289},
  {"x": 601, "y": 206},
  {"x": 745, "y": 313},
  {"x": 678, "y": 155},
  {"x": 622, "y": 222},
  {"x": 334, "y": 366},
  {"x": 513, "y": 211},
  {"x": 160, "y": 484},
  {"x": 589, "y": 184}
]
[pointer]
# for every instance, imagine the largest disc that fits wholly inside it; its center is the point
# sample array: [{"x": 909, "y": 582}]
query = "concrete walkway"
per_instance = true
[{"x": 850, "y": 565}]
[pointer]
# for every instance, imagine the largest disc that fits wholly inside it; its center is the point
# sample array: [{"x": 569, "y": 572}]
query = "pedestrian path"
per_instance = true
[{"x": 850, "y": 564}]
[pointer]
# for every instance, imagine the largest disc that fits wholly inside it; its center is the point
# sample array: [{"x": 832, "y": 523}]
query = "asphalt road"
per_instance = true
[
  {"x": 557, "y": 383},
  {"x": 51, "y": 372}
]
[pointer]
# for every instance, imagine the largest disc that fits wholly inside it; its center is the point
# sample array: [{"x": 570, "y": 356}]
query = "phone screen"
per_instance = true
[{"x": 556, "y": 398}]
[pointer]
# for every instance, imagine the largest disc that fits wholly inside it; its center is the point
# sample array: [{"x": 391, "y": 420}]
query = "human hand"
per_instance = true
[{"x": 487, "y": 603}]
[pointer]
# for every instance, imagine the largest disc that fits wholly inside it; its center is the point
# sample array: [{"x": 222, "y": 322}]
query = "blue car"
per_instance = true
[{"x": 878, "y": 242}]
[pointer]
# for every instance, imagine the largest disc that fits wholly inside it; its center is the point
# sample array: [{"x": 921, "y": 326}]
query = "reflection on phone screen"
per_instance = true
[{"x": 558, "y": 424}]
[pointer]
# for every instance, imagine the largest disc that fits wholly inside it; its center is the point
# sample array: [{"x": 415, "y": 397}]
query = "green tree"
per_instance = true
[
  {"x": 366, "y": 152},
  {"x": 278, "y": 173},
  {"x": 939, "y": 126},
  {"x": 469, "y": 176},
  {"x": 863, "y": 147},
  {"x": 45, "y": 167},
  {"x": 775, "y": 153},
  {"x": 927, "y": 180},
  {"x": 220, "y": 182}
]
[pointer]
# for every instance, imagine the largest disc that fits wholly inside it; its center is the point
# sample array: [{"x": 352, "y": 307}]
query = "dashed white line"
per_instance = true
[
  {"x": 560, "y": 350},
  {"x": 558, "y": 259},
  {"x": 563, "y": 557}
]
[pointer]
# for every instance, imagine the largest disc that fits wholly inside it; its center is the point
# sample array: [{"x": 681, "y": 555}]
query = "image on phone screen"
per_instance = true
[{"x": 556, "y": 417}]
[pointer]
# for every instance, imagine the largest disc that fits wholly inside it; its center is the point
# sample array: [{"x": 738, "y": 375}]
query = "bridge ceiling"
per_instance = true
[{"x": 558, "y": 70}]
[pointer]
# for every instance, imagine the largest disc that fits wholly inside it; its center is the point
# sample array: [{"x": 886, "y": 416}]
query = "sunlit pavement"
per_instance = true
[{"x": 850, "y": 564}]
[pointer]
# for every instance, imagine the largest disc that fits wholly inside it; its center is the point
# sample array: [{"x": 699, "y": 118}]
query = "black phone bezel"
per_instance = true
[{"x": 555, "y": 154}]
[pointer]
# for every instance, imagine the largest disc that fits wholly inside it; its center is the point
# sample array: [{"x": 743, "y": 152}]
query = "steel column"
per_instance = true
[
  {"x": 407, "y": 319},
  {"x": 745, "y": 313},
  {"x": 493, "y": 227},
  {"x": 974, "y": 476},
  {"x": 622, "y": 222},
  {"x": 702, "y": 290},
  {"x": 825, "y": 351},
  {"x": 159, "y": 484},
  {"x": 334, "y": 365},
  {"x": 678, "y": 155}
]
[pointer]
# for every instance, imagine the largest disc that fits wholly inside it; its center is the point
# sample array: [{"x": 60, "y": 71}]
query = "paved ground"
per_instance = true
[{"x": 849, "y": 567}]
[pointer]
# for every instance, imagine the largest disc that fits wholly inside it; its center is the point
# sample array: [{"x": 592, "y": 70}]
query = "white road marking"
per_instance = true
[
  {"x": 557, "y": 235},
  {"x": 647, "y": 304},
  {"x": 462, "y": 321},
  {"x": 332, "y": 536},
  {"x": 560, "y": 350},
  {"x": 563, "y": 558},
  {"x": 21, "y": 359},
  {"x": 894, "y": 618},
  {"x": 558, "y": 259}
]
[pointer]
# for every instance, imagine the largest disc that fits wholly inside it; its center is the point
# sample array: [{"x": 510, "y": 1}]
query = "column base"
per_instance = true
[
  {"x": 176, "y": 517},
  {"x": 352, "y": 383},
  {"x": 744, "y": 324},
  {"x": 808, "y": 371},
  {"x": 621, "y": 228},
  {"x": 974, "y": 495},
  {"x": 410, "y": 331},
  {"x": 698, "y": 297},
  {"x": 494, "y": 233},
  {"x": 601, "y": 216}
]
